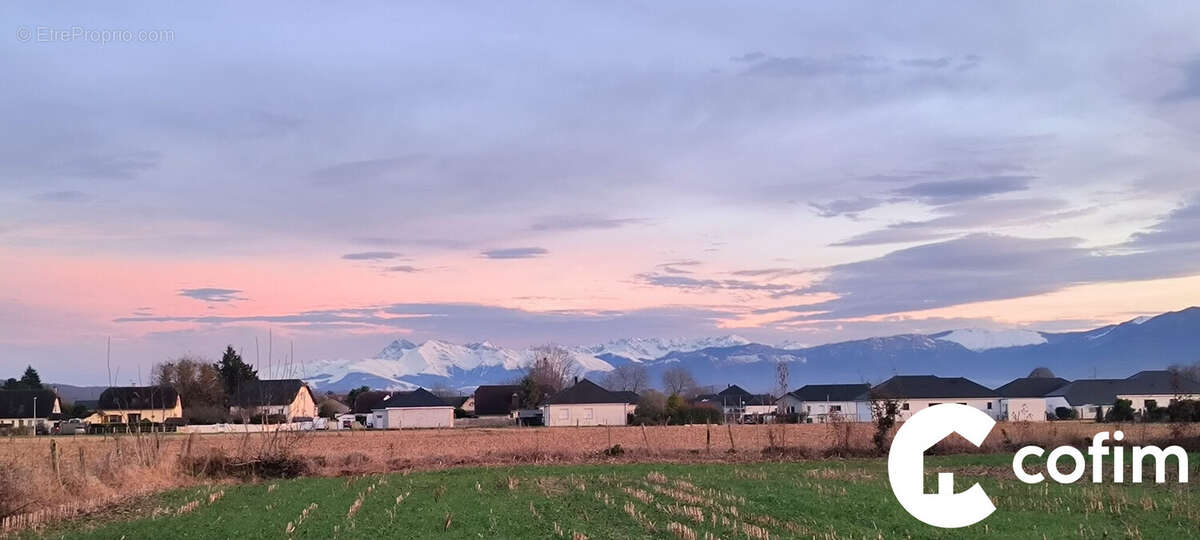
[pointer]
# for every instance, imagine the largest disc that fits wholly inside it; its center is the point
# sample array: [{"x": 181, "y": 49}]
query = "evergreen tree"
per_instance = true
[
  {"x": 234, "y": 371},
  {"x": 352, "y": 396},
  {"x": 31, "y": 380}
]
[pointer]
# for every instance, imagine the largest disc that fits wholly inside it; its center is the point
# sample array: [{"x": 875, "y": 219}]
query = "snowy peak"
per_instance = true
[
  {"x": 397, "y": 348},
  {"x": 979, "y": 339},
  {"x": 643, "y": 349}
]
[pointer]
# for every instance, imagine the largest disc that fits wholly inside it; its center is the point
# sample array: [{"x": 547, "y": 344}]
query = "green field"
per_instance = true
[{"x": 822, "y": 499}]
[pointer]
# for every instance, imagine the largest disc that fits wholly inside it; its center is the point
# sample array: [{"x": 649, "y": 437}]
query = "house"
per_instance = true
[
  {"x": 133, "y": 404},
  {"x": 1151, "y": 388},
  {"x": 1024, "y": 399},
  {"x": 286, "y": 399},
  {"x": 28, "y": 408},
  {"x": 405, "y": 410},
  {"x": 738, "y": 405},
  {"x": 822, "y": 403},
  {"x": 497, "y": 400},
  {"x": 586, "y": 404},
  {"x": 917, "y": 392}
]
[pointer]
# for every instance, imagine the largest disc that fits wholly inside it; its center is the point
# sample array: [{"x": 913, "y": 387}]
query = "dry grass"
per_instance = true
[{"x": 51, "y": 477}]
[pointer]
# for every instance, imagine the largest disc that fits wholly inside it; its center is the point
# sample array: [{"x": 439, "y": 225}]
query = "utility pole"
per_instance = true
[{"x": 34, "y": 415}]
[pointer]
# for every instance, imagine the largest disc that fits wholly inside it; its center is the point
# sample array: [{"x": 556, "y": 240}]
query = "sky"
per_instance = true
[{"x": 326, "y": 178}]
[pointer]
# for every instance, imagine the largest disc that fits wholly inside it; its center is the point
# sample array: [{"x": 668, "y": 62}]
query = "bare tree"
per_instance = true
[
  {"x": 781, "y": 377},
  {"x": 677, "y": 380},
  {"x": 198, "y": 383},
  {"x": 552, "y": 367},
  {"x": 632, "y": 377}
]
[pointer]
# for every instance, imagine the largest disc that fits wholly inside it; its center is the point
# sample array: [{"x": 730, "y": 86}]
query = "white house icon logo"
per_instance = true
[{"x": 906, "y": 466}]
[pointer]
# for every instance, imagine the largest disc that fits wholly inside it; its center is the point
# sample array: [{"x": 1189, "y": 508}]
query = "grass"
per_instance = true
[{"x": 821, "y": 499}]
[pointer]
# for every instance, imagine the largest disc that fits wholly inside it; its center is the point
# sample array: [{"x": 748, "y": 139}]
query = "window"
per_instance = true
[
  {"x": 587, "y": 413},
  {"x": 134, "y": 418},
  {"x": 904, "y": 406},
  {"x": 1151, "y": 404},
  {"x": 989, "y": 405},
  {"x": 564, "y": 414},
  {"x": 835, "y": 408},
  {"x": 114, "y": 418}
]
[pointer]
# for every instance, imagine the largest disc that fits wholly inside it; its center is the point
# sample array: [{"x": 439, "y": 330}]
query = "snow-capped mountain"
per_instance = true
[
  {"x": 642, "y": 349},
  {"x": 979, "y": 339},
  {"x": 990, "y": 357},
  {"x": 405, "y": 365}
]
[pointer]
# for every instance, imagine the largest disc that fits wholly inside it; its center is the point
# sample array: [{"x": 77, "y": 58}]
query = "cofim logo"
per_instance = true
[{"x": 947, "y": 509}]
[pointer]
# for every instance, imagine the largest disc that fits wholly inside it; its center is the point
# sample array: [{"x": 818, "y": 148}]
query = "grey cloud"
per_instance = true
[
  {"x": 123, "y": 166},
  {"x": 803, "y": 66},
  {"x": 1180, "y": 228},
  {"x": 401, "y": 268},
  {"x": 966, "y": 216},
  {"x": 948, "y": 191},
  {"x": 362, "y": 171},
  {"x": 212, "y": 294},
  {"x": 470, "y": 322},
  {"x": 930, "y": 63},
  {"x": 767, "y": 272},
  {"x": 981, "y": 267},
  {"x": 688, "y": 283},
  {"x": 582, "y": 222},
  {"x": 61, "y": 196},
  {"x": 1190, "y": 87},
  {"x": 514, "y": 253},
  {"x": 371, "y": 256},
  {"x": 674, "y": 266},
  {"x": 847, "y": 207}
]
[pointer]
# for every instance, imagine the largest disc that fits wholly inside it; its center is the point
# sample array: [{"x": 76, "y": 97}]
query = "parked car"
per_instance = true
[{"x": 74, "y": 426}]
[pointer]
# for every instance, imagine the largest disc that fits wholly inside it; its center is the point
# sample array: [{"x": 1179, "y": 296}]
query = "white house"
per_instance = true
[
  {"x": 27, "y": 408},
  {"x": 415, "y": 409},
  {"x": 1145, "y": 389},
  {"x": 738, "y": 405},
  {"x": 1020, "y": 398},
  {"x": 822, "y": 403},
  {"x": 917, "y": 392},
  {"x": 586, "y": 404},
  {"x": 289, "y": 399}
]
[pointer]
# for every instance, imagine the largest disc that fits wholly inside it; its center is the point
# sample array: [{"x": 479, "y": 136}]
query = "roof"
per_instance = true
[
  {"x": 333, "y": 405},
  {"x": 1162, "y": 381},
  {"x": 369, "y": 401},
  {"x": 19, "y": 403},
  {"x": 931, "y": 386},
  {"x": 1032, "y": 386},
  {"x": 1090, "y": 391},
  {"x": 831, "y": 392},
  {"x": 138, "y": 397},
  {"x": 269, "y": 392},
  {"x": 586, "y": 391},
  {"x": 1144, "y": 383},
  {"x": 629, "y": 396},
  {"x": 499, "y": 399},
  {"x": 734, "y": 390}
]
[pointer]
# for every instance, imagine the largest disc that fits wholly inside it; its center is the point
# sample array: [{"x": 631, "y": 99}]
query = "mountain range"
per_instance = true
[{"x": 991, "y": 357}]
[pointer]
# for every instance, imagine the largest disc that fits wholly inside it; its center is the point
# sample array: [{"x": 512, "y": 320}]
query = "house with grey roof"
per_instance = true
[
  {"x": 823, "y": 403},
  {"x": 28, "y": 408},
  {"x": 1021, "y": 397},
  {"x": 586, "y": 403},
  {"x": 917, "y": 392},
  {"x": 418, "y": 408},
  {"x": 1145, "y": 389}
]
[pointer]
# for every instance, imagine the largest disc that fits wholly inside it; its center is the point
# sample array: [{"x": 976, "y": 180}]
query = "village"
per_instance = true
[{"x": 545, "y": 397}]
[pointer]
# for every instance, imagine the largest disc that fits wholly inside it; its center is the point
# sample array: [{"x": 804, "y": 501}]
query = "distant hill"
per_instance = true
[
  {"x": 990, "y": 357},
  {"x": 72, "y": 393}
]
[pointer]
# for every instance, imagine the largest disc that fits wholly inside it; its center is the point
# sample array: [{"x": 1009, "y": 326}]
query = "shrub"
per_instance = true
[
  {"x": 1122, "y": 411},
  {"x": 1184, "y": 410},
  {"x": 1065, "y": 413}
]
